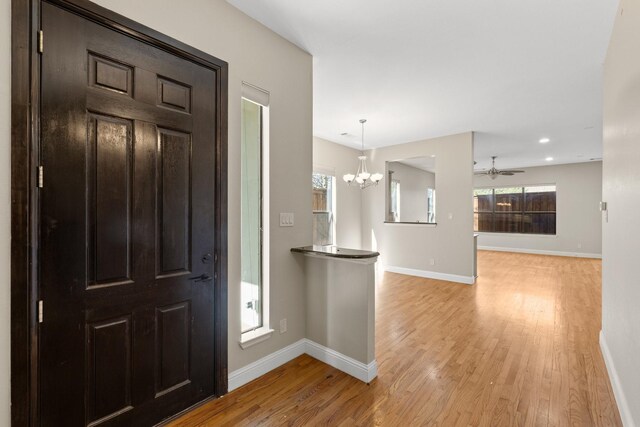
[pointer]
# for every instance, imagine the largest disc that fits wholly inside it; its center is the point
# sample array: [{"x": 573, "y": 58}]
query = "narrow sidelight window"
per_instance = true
[
  {"x": 324, "y": 212},
  {"x": 253, "y": 242},
  {"x": 394, "y": 205},
  {"x": 431, "y": 205}
]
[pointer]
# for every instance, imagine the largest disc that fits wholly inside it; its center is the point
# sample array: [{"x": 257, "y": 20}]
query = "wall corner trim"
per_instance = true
[
  {"x": 359, "y": 370},
  {"x": 467, "y": 280},
  {"x": 540, "y": 252},
  {"x": 621, "y": 399},
  {"x": 252, "y": 371}
]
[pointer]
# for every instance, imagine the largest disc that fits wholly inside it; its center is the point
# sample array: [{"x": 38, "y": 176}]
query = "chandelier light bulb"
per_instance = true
[
  {"x": 364, "y": 175},
  {"x": 376, "y": 177},
  {"x": 348, "y": 178}
]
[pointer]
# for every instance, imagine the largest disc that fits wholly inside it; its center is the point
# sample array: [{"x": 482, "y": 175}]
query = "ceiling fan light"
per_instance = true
[{"x": 494, "y": 172}]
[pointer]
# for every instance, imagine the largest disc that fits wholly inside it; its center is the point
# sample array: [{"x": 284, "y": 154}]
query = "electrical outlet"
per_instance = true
[
  {"x": 286, "y": 219},
  {"x": 432, "y": 261},
  {"x": 283, "y": 326}
]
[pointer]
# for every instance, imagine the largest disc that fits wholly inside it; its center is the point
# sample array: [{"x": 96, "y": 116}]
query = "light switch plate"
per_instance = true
[{"x": 286, "y": 219}]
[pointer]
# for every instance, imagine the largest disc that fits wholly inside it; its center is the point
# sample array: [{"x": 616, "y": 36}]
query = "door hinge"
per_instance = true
[
  {"x": 40, "y": 41},
  {"x": 40, "y": 176},
  {"x": 40, "y": 311}
]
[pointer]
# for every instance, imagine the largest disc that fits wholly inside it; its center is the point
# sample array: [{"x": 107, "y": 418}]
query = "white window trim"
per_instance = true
[
  {"x": 411, "y": 224},
  {"x": 516, "y": 235},
  {"x": 498, "y": 233},
  {"x": 329, "y": 171},
  {"x": 324, "y": 170},
  {"x": 256, "y": 336},
  {"x": 397, "y": 181}
]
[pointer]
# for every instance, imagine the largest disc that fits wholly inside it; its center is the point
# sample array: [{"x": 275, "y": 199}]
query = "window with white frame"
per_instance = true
[
  {"x": 523, "y": 209},
  {"x": 254, "y": 218},
  {"x": 394, "y": 197},
  {"x": 431, "y": 205},
  {"x": 324, "y": 217}
]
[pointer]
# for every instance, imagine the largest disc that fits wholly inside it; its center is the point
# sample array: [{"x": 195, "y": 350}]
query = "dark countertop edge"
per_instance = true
[
  {"x": 348, "y": 253},
  {"x": 407, "y": 222}
]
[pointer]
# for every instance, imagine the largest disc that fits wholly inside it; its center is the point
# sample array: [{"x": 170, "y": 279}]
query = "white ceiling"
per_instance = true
[{"x": 514, "y": 71}]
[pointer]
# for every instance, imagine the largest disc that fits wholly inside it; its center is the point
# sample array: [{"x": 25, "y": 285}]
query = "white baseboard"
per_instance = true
[
  {"x": 268, "y": 363},
  {"x": 540, "y": 252},
  {"x": 621, "y": 399},
  {"x": 467, "y": 280},
  {"x": 254, "y": 370},
  {"x": 359, "y": 370}
]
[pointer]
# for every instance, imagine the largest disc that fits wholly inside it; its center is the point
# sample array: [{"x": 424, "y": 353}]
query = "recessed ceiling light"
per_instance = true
[
  {"x": 549, "y": 159},
  {"x": 543, "y": 140}
]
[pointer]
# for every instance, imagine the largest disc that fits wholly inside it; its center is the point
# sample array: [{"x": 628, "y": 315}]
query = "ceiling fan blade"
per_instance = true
[
  {"x": 505, "y": 173},
  {"x": 512, "y": 171},
  {"x": 481, "y": 173}
]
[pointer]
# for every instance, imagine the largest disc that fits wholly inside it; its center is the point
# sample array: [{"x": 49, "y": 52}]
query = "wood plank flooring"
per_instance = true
[{"x": 519, "y": 348}]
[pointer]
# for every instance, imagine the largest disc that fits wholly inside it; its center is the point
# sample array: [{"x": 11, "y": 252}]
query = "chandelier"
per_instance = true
[{"x": 362, "y": 176}]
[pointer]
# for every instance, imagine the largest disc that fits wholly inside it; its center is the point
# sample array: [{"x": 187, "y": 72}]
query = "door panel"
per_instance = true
[
  {"x": 173, "y": 328},
  {"x": 109, "y": 196},
  {"x": 110, "y": 75},
  {"x": 174, "y": 197},
  {"x": 128, "y": 137},
  {"x": 109, "y": 368},
  {"x": 174, "y": 95}
]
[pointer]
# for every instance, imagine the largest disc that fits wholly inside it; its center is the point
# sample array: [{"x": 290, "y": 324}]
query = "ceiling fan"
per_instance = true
[{"x": 493, "y": 172}]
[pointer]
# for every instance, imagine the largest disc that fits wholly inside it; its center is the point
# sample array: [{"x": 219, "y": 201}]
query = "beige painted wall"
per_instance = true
[
  {"x": 258, "y": 56},
  {"x": 578, "y": 220},
  {"x": 621, "y": 190},
  {"x": 450, "y": 243},
  {"x": 341, "y": 305},
  {"x": 342, "y": 160}
]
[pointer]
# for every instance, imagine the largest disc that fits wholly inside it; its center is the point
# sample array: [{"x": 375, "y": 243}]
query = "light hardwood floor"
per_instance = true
[{"x": 518, "y": 348}]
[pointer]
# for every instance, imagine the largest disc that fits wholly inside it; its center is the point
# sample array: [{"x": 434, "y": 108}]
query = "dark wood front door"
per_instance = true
[{"x": 127, "y": 241}]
